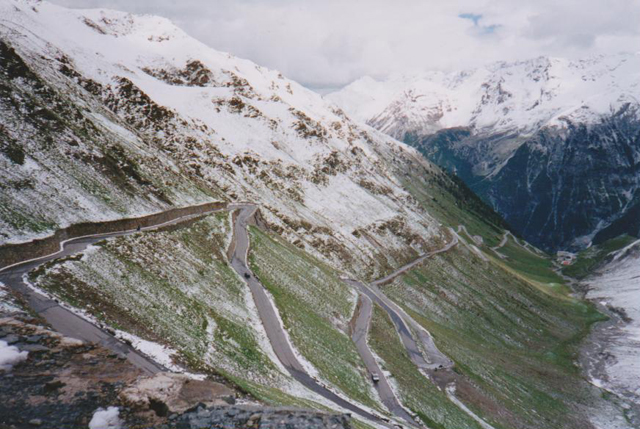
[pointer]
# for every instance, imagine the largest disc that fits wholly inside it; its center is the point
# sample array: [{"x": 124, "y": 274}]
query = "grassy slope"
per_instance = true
[
  {"x": 416, "y": 393},
  {"x": 315, "y": 307},
  {"x": 532, "y": 267},
  {"x": 175, "y": 287},
  {"x": 513, "y": 340},
  {"x": 448, "y": 200},
  {"x": 590, "y": 258},
  {"x": 508, "y": 323}
]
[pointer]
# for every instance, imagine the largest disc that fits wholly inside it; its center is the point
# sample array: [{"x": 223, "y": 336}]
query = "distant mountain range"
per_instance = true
[{"x": 552, "y": 144}]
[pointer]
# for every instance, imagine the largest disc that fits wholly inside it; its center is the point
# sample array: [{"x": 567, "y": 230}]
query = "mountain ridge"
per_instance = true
[{"x": 548, "y": 88}]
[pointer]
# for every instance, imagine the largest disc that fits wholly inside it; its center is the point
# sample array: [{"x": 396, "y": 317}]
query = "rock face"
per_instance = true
[
  {"x": 167, "y": 393},
  {"x": 560, "y": 187},
  {"x": 63, "y": 381},
  {"x": 257, "y": 418},
  {"x": 552, "y": 145}
]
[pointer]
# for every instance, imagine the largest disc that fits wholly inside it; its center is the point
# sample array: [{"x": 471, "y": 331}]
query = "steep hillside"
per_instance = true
[
  {"x": 108, "y": 115},
  {"x": 552, "y": 145}
]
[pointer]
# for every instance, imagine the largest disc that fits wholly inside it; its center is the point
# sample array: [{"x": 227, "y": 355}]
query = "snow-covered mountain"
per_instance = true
[
  {"x": 552, "y": 144},
  {"x": 106, "y": 114},
  {"x": 502, "y": 97}
]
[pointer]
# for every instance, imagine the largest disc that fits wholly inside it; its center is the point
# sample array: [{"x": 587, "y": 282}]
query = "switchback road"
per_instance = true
[
  {"x": 359, "y": 337},
  {"x": 69, "y": 324},
  {"x": 268, "y": 315}
]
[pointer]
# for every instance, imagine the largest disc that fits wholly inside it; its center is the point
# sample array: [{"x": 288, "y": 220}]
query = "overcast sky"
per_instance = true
[{"x": 329, "y": 43}]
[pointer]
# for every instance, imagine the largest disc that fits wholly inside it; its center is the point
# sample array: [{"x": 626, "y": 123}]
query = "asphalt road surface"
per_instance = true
[
  {"x": 69, "y": 324},
  {"x": 359, "y": 337},
  {"x": 403, "y": 269},
  {"x": 432, "y": 358}
]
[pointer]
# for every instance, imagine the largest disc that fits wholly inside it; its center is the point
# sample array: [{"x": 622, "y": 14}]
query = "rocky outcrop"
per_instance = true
[
  {"x": 168, "y": 393},
  {"x": 63, "y": 382},
  {"x": 561, "y": 188}
]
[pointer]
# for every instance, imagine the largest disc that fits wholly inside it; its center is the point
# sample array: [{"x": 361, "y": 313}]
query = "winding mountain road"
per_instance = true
[
  {"x": 403, "y": 269},
  {"x": 268, "y": 315},
  {"x": 431, "y": 359},
  {"x": 476, "y": 241},
  {"x": 70, "y": 324},
  {"x": 526, "y": 246},
  {"x": 64, "y": 320}
]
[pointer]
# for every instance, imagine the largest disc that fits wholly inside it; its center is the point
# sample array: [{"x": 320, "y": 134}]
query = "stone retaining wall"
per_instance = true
[{"x": 13, "y": 253}]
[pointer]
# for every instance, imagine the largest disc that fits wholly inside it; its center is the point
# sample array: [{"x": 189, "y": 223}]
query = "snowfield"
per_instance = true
[{"x": 616, "y": 287}]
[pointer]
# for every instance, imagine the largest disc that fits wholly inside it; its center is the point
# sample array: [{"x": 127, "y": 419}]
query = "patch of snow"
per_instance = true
[
  {"x": 10, "y": 355},
  {"x": 71, "y": 342},
  {"x": 159, "y": 353},
  {"x": 106, "y": 419}
]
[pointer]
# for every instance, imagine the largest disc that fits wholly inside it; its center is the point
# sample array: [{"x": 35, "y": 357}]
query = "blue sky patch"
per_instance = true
[{"x": 471, "y": 17}]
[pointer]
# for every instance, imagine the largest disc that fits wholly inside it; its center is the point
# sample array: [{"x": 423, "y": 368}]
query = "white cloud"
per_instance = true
[{"x": 332, "y": 42}]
